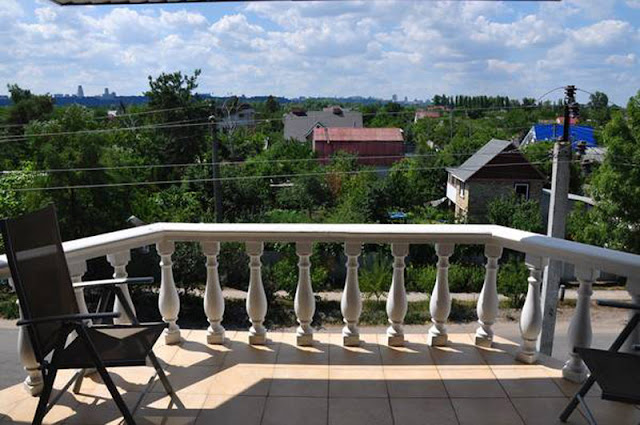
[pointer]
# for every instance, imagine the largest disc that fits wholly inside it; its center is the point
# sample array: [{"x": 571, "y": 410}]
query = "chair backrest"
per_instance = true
[
  {"x": 40, "y": 274},
  {"x": 618, "y": 374}
]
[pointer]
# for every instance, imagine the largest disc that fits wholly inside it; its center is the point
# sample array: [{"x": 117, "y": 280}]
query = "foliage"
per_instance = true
[
  {"x": 512, "y": 282},
  {"x": 375, "y": 276},
  {"x": 516, "y": 212}
]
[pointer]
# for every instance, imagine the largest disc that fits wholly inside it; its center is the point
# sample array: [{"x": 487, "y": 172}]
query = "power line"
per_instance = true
[{"x": 234, "y": 178}]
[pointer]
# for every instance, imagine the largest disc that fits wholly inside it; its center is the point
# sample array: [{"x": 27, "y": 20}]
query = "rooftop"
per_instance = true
[
  {"x": 335, "y": 134},
  {"x": 327, "y": 383}
]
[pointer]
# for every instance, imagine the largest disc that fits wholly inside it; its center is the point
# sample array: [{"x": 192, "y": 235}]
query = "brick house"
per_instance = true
[
  {"x": 374, "y": 146},
  {"x": 497, "y": 170}
]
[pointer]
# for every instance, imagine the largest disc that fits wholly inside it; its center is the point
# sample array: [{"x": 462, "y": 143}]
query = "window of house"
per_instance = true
[
  {"x": 462, "y": 188},
  {"x": 522, "y": 189}
]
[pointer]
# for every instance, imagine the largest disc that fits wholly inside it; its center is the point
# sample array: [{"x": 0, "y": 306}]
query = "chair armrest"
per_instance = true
[
  {"x": 111, "y": 282},
  {"x": 618, "y": 304},
  {"x": 69, "y": 318}
]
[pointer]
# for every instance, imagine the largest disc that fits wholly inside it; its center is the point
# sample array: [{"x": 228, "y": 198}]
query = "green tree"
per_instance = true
[{"x": 515, "y": 212}]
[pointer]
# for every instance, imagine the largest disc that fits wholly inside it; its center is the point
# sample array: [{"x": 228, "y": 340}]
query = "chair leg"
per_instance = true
[
  {"x": 564, "y": 416},
  {"x": 41, "y": 410},
  {"x": 117, "y": 398},
  {"x": 163, "y": 377},
  {"x": 78, "y": 384},
  {"x": 587, "y": 412}
]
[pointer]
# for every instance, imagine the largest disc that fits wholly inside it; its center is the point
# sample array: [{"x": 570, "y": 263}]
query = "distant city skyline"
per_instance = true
[{"x": 316, "y": 49}]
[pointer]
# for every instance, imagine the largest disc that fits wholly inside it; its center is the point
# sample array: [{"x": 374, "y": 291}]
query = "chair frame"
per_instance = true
[
  {"x": 81, "y": 323},
  {"x": 579, "y": 397}
]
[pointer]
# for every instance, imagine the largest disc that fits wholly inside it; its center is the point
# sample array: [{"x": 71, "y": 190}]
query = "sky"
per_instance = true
[{"x": 332, "y": 48}]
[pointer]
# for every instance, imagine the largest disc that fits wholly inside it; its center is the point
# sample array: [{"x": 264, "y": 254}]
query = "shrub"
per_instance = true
[
  {"x": 512, "y": 282},
  {"x": 375, "y": 276},
  {"x": 462, "y": 278}
]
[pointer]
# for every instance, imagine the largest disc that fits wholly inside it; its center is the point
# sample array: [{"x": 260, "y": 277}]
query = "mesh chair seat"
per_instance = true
[
  {"x": 124, "y": 345},
  {"x": 618, "y": 374}
]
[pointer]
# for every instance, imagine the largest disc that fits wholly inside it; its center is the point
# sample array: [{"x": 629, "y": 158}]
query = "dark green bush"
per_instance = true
[
  {"x": 462, "y": 278},
  {"x": 512, "y": 282}
]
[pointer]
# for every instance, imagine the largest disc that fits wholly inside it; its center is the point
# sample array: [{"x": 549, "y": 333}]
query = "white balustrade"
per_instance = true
[
  {"x": 397, "y": 297},
  {"x": 119, "y": 262},
  {"x": 351, "y": 302},
  {"x": 531, "y": 315},
  {"x": 168, "y": 301},
  {"x": 213, "y": 298},
  {"x": 256, "y": 298},
  {"x": 33, "y": 383},
  {"x": 487, "y": 308},
  {"x": 304, "y": 302},
  {"x": 440, "y": 303},
  {"x": 633, "y": 287},
  {"x": 580, "y": 333},
  {"x": 77, "y": 270}
]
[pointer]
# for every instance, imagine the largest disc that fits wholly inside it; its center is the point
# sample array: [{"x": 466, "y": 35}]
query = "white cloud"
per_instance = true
[
  {"x": 603, "y": 33},
  {"x": 634, "y": 4},
  {"x": 504, "y": 66},
  {"x": 625, "y": 60}
]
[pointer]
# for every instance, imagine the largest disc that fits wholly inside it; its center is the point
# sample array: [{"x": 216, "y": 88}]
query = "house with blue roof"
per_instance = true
[{"x": 552, "y": 132}]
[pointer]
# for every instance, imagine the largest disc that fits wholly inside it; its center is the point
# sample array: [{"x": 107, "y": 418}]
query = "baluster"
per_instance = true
[
  {"x": 213, "y": 298},
  {"x": 397, "y": 297},
  {"x": 531, "y": 315},
  {"x": 580, "y": 327},
  {"x": 33, "y": 383},
  {"x": 351, "y": 302},
  {"x": 304, "y": 302},
  {"x": 119, "y": 262},
  {"x": 633, "y": 287},
  {"x": 77, "y": 270},
  {"x": 487, "y": 308},
  {"x": 256, "y": 298},
  {"x": 440, "y": 303},
  {"x": 169, "y": 301}
]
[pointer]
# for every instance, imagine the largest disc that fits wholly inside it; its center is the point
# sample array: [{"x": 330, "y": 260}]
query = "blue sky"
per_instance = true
[{"x": 336, "y": 48}]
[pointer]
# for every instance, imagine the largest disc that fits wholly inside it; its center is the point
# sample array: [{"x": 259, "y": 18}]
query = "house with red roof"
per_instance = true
[{"x": 373, "y": 146}]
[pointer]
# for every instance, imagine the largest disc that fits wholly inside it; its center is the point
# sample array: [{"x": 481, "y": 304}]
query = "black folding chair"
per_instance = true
[
  {"x": 61, "y": 336},
  {"x": 617, "y": 374}
]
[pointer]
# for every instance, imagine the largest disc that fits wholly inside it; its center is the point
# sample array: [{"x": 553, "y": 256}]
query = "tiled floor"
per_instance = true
[{"x": 327, "y": 384}]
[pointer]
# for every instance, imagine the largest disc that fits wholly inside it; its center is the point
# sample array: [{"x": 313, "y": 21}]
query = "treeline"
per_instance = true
[{"x": 463, "y": 101}]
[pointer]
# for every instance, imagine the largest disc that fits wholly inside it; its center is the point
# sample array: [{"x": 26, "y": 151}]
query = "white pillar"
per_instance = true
[
  {"x": 531, "y": 315},
  {"x": 351, "y": 302},
  {"x": 213, "y": 298},
  {"x": 33, "y": 383},
  {"x": 304, "y": 302},
  {"x": 633, "y": 287},
  {"x": 580, "y": 327},
  {"x": 169, "y": 301},
  {"x": 440, "y": 303},
  {"x": 77, "y": 270},
  {"x": 119, "y": 261},
  {"x": 256, "y": 298},
  {"x": 397, "y": 297},
  {"x": 487, "y": 308}
]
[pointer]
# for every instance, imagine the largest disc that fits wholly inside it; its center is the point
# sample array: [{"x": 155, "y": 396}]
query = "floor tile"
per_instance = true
[
  {"x": 357, "y": 381},
  {"x": 359, "y": 411},
  {"x": 545, "y": 411},
  {"x": 414, "y": 381},
  {"x": 295, "y": 411},
  {"x": 157, "y": 409},
  {"x": 231, "y": 410},
  {"x": 488, "y": 411},
  {"x": 525, "y": 381},
  {"x": 476, "y": 382},
  {"x": 300, "y": 381},
  {"x": 423, "y": 411},
  {"x": 245, "y": 380}
]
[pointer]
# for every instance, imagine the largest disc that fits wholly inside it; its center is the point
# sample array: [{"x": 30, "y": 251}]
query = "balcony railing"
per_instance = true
[{"x": 588, "y": 261}]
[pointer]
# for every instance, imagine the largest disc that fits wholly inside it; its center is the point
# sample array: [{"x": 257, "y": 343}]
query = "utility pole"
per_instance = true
[
  {"x": 557, "y": 222},
  {"x": 215, "y": 150}
]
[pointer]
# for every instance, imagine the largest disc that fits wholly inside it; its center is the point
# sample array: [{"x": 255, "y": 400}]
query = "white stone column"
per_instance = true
[
  {"x": 580, "y": 333},
  {"x": 304, "y": 302},
  {"x": 351, "y": 302},
  {"x": 119, "y": 261},
  {"x": 531, "y": 315},
  {"x": 256, "y": 297},
  {"x": 397, "y": 297},
  {"x": 440, "y": 303},
  {"x": 633, "y": 287},
  {"x": 33, "y": 383},
  {"x": 77, "y": 270},
  {"x": 213, "y": 298},
  {"x": 169, "y": 301},
  {"x": 487, "y": 308}
]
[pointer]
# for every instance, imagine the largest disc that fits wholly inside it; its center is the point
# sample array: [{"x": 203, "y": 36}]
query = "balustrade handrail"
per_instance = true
[{"x": 603, "y": 259}]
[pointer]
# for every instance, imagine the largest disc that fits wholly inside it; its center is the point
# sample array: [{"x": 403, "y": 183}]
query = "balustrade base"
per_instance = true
[
  {"x": 172, "y": 338},
  {"x": 33, "y": 389},
  {"x": 577, "y": 377},
  {"x": 216, "y": 339},
  {"x": 351, "y": 341},
  {"x": 527, "y": 358},
  {"x": 304, "y": 340},
  {"x": 257, "y": 339},
  {"x": 437, "y": 340},
  {"x": 484, "y": 341},
  {"x": 395, "y": 340}
]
